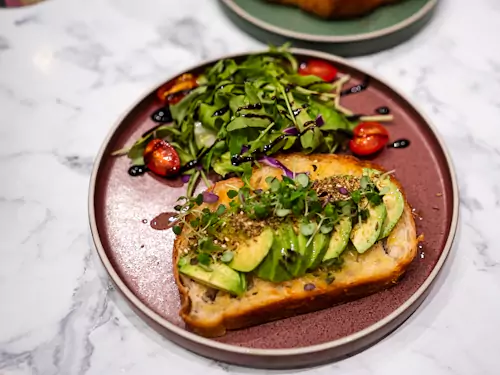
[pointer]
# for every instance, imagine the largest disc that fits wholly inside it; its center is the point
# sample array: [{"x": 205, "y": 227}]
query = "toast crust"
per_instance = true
[
  {"x": 361, "y": 275},
  {"x": 331, "y": 9}
]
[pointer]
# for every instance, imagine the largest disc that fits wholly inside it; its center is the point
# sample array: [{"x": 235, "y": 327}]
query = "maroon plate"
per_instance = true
[{"x": 138, "y": 258}]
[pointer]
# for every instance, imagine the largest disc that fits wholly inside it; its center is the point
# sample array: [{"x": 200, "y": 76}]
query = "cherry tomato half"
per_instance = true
[
  {"x": 174, "y": 91},
  {"x": 318, "y": 68},
  {"x": 369, "y": 137},
  {"x": 161, "y": 158}
]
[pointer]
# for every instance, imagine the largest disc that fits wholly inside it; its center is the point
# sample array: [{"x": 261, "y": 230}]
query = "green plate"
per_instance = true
[{"x": 384, "y": 28}]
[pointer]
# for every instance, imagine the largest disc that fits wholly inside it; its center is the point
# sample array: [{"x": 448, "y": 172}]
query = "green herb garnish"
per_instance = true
[{"x": 311, "y": 206}]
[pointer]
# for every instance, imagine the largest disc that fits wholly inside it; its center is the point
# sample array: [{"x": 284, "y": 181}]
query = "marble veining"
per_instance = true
[{"x": 69, "y": 68}]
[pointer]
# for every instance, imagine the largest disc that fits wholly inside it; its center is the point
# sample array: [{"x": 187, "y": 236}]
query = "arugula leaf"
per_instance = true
[
  {"x": 223, "y": 166},
  {"x": 333, "y": 119},
  {"x": 136, "y": 153},
  {"x": 251, "y": 93},
  {"x": 311, "y": 140},
  {"x": 180, "y": 110},
  {"x": 248, "y": 122},
  {"x": 207, "y": 116}
]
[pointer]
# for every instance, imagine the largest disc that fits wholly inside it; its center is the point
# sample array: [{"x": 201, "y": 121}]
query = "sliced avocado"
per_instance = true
[
  {"x": 299, "y": 267},
  {"x": 394, "y": 203},
  {"x": 339, "y": 239},
  {"x": 319, "y": 247},
  {"x": 365, "y": 233},
  {"x": 265, "y": 270},
  {"x": 273, "y": 267},
  {"x": 291, "y": 245},
  {"x": 220, "y": 277},
  {"x": 244, "y": 282},
  {"x": 291, "y": 238},
  {"x": 250, "y": 253}
]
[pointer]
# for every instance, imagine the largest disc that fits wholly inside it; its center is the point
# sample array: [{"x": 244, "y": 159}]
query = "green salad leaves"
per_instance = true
[{"x": 248, "y": 109}]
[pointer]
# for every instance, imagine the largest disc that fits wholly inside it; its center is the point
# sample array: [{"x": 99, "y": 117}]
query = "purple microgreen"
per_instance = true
[
  {"x": 244, "y": 149},
  {"x": 292, "y": 130},
  {"x": 320, "y": 121},
  {"x": 209, "y": 197},
  {"x": 272, "y": 162}
]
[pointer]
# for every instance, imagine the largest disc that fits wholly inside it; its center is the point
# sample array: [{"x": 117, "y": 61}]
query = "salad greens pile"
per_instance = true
[{"x": 243, "y": 111}]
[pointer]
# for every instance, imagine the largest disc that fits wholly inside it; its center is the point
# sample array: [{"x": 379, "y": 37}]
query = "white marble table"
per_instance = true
[{"x": 68, "y": 68}]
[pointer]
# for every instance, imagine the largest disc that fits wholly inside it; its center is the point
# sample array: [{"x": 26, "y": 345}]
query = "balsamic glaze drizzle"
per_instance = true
[
  {"x": 313, "y": 83},
  {"x": 383, "y": 110},
  {"x": 400, "y": 143},
  {"x": 357, "y": 88},
  {"x": 221, "y": 111},
  {"x": 354, "y": 117},
  {"x": 269, "y": 146},
  {"x": 251, "y": 106},
  {"x": 193, "y": 163},
  {"x": 239, "y": 159},
  {"x": 162, "y": 115},
  {"x": 137, "y": 170}
]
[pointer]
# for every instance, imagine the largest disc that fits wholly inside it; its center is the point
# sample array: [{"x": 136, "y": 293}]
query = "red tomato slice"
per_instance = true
[
  {"x": 174, "y": 91},
  {"x": 161, "y": 158},
  {"x": 318, "y": 68},
  {"x": 369, "y": 137}
]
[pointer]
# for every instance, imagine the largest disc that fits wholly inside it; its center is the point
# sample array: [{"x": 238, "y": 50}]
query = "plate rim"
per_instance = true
[
  {"x": 260, "y": 352},
  {"x": 414, "y": 18}
]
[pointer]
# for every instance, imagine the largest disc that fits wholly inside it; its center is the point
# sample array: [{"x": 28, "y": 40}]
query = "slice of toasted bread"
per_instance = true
[
  {"x": 361, "y": 274},
  {"x": 336, "y": 8}
]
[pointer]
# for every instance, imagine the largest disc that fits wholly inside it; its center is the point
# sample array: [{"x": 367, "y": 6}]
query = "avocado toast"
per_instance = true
[{"x": 276, "y": 245}]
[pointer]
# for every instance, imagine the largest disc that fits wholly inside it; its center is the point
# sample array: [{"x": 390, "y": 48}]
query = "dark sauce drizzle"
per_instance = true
[
  {"x": 163, "y": 221},
  {"x": 400, "y": 143},
  {"x": 193, "y": 163},
  {"x": 137, "y": 170},
  {"x": 251, "y": 106},
  {"x": 383, "y": 110},
  {"x": 269, "y": 146},
  {"x": 162, "y": 115},
  {"x": 354, "y": 117},
  {"x": 239, "y": 159},
  {"x": 357, "y": 88},
  {"x": 313, "y": 83},
  {"x": 221, "y": 111}
]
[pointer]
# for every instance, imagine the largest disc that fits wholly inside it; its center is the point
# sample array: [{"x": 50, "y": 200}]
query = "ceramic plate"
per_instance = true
[
  {"x": 386, "y": 27},
  {"x": 138, "y": 258}
]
